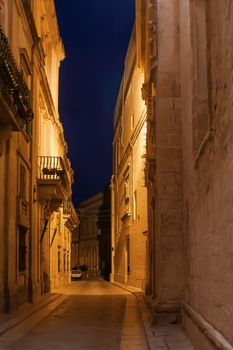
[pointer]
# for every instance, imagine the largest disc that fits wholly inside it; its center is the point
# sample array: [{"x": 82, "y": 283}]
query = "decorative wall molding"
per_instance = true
[
  {"x": 2, "y": 4},
  {"x": 205, "y": 327},
  {"x": 1, "y": 148}
]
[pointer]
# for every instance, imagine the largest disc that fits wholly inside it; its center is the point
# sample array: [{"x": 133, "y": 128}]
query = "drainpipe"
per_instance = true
[
  {"x": 31, "y": 186},
  {"x": 6, "y": 289},
  {"x": 113, "y": 218}
]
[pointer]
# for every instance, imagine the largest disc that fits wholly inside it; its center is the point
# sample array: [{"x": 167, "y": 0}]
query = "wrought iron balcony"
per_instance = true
[
  {"x": 53, "y": 179},
  {"x": 14, "y": 94}
]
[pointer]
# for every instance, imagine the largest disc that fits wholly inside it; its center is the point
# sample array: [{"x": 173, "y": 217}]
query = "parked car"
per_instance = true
[{"x": 76, "y": 275}]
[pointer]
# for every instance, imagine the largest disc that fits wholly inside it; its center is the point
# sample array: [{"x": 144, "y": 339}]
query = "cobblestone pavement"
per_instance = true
[{"x": 93, "y": 315}]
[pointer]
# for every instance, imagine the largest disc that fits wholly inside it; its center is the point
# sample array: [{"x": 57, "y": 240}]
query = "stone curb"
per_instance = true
[
  {"x": 153, "y": 340},
  {"x": 15, "y": 320},
  {"x": 144, "y": 311}
]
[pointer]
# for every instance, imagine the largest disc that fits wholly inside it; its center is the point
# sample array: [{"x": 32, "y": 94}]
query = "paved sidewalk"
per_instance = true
[
  {"x": 170, "y": 337},
  {"x": 133, "y": 335},
  {"x": 9, "y": 321}
]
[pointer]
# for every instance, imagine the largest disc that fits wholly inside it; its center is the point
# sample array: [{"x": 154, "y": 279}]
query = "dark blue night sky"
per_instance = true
[{"x": 95, "y": 35}]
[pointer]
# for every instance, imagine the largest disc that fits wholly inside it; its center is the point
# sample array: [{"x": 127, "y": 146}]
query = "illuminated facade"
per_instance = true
[
  {"x": 88, "y": 233},
  {"x": 35, "y": 173},
  {"x": 129, "y": 194},
  {"x": 158, "y": 55}
]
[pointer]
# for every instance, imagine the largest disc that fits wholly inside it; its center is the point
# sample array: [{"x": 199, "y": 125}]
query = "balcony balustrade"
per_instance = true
[
  {"x": 50, "y": 168},
  {"x": 15, "y": 97},
  {"x": 54, "y": 182}
]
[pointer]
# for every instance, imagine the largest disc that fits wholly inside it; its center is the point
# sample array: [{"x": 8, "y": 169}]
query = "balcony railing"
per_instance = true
[
  {"x": 51, "y": 168},
  {"x": 12, "y": 84}
]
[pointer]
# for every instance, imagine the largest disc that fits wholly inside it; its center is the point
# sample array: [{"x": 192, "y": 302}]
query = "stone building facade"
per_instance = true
[
  {"x": 35, "y": 173},
  {"x": 184, "y": 50},
  {"x": 88, "y": 233},
  {"x": 129, "y": 194}
]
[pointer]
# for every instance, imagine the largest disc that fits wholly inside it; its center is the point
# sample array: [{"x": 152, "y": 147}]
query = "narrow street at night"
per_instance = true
[
  {"x": 94, "y": 315},
  {"x": 116, "y": 166}
]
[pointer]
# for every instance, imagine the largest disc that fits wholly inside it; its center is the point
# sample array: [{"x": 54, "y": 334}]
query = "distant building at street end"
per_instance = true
[
  {"x": 129, "y": 193},
  {"x": 88, "y": 233},
  {"x": 104, "y": 234}
]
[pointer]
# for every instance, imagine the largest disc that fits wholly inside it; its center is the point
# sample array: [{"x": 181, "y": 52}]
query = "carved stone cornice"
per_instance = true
[
  {"x": 148, "y": 95},
  {"x": 30, "y": 20},
  {"x": 54, "y": 28}
]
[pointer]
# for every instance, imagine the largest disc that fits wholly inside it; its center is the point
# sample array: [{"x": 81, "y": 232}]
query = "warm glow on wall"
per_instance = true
[{"x": 49, "y": 145}]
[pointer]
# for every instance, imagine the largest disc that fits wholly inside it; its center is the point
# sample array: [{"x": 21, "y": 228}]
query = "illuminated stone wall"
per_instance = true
[
  {"x": 157, "y": 24},
  {"x": 128, "y": 184},
  {"x": 190, "y": 240},
  {"x": 206, "y": 76},
  {"x": 168, "y": 225},
  {"x": 16, "y": 169},
  {"x": 28, "y": 210}
]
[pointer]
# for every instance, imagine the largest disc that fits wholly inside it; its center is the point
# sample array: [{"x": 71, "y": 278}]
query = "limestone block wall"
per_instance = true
[
  {"x": 208, "y": 169},
  {"x": 168, "y": 128}
]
